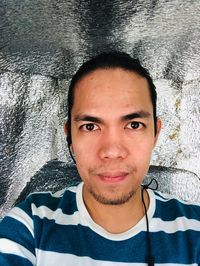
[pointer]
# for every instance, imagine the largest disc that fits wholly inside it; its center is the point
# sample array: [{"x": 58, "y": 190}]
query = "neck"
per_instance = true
[{"x": 127, "y": 215}]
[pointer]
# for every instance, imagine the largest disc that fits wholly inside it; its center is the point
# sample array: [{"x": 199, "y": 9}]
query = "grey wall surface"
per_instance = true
[{"x": 42, "y": 43}]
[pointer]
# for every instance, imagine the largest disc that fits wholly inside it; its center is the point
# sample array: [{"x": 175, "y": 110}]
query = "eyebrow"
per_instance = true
[
  {"x": 94, "y": 119},
  {"x": 139, "y": 114}
]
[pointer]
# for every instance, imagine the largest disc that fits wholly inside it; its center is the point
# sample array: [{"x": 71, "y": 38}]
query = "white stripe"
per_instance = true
[
  {"x": 166, "y": 197},
  {"x": 72, "y": 189},
  {"x": 58, "y": 216},
  {"x": 9, "y": 247},
  {"x": 60, "y": 193},
  {"x": 170, "y": 227},
  {"x": 57, "y": 194},
  {"x": 21, "y": 216},
  {"x": 53, "y": 258}
]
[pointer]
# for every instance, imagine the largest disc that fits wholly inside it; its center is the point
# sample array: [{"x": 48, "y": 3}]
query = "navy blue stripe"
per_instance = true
[
  {"x": 17, "y": 232},
  {"x": 172, "y": 209},
  {"x": 26, "y": 207},
  {"x": 82, "y": 241},
  {"x": 67, "y": 203},
  {"x": 9, "y": 259},
  {"x": 180, "y": 247}
]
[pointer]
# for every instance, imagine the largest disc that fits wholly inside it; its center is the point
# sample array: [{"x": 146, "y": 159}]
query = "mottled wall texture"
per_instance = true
[{"x": 42, "y": 42}]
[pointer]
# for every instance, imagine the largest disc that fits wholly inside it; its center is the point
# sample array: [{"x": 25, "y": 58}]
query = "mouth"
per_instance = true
[{"x": 112, "y": 177}]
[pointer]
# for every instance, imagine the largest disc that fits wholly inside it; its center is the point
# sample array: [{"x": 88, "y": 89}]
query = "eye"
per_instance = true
[
  {"x": 89, "y": 127},
  {"x": 135, "y": 125}
]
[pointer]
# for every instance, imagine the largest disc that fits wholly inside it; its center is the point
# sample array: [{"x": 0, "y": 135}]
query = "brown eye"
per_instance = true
[
  {"x": 89, "y": 127},
  {"x": 135, "y": 125}
]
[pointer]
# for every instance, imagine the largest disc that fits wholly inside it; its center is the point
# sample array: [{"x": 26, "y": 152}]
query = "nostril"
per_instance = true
[{"x": 113, "y": 152}]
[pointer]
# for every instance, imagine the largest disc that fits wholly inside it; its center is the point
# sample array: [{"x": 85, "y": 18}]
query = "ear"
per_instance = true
[
  {"x": 65, "y": 128},
  {"x": 159, "y": 126}
]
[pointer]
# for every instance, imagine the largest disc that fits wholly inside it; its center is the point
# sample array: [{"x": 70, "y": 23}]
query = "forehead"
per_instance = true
[{"x": 112, "y": 88}]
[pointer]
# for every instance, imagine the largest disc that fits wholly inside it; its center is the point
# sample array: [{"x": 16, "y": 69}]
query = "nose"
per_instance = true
[{"x": 112, "y": 146}]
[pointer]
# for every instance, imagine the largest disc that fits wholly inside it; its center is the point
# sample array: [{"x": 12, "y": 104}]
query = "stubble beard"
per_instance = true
[
  {"x": 100, "y": 198},
  {"x": 112, "y": 197}
]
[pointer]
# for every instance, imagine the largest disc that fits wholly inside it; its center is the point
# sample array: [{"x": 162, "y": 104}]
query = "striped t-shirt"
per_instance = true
[{"x": 56, "y": 230}]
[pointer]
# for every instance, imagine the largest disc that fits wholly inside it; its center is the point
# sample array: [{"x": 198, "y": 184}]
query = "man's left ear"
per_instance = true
[
  {"x": 67, "y": 137},
  {"x": 158, "y": 129},
  {"x": 65, "y": 128}
]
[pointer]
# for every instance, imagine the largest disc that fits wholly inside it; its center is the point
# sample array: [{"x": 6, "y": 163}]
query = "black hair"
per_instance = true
[{"x": 106, "y": 61}]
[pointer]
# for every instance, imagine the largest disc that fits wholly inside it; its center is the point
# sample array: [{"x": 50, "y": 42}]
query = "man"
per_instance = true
[{"x": 108, "y": 219}]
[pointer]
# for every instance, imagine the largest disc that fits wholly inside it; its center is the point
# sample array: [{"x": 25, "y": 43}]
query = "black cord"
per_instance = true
[
  {"x": 150, "y": 258},
  {"x": 149, "y": 184}
]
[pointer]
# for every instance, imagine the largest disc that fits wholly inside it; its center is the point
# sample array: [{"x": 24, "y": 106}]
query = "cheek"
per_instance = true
[
  {"x": 82, "y": 163},
  {"x": 83, "y": 147},
  {"x": 141, "y": 159},
  {"x": 142, "y": 150},
  {"x": 85, "y": 154}
]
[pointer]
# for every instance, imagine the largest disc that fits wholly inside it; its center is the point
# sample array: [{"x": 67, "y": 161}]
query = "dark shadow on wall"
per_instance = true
[{"x": 57, "y": 175}]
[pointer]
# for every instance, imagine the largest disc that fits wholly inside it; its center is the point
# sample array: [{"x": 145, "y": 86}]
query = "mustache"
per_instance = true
[{"x": 112, "y": 169}]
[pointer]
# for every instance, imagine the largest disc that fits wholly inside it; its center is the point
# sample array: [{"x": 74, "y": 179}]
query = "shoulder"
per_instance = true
[
  {"x": 173, "y": 207},
  {"x": 46, "y": 205},
  {"x": 31, "y": 213}
]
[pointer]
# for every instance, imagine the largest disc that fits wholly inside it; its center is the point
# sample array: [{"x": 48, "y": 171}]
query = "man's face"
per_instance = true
[{"x": 112, "y": 133}]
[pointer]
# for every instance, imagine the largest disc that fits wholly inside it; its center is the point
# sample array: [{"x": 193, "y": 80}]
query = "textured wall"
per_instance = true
[{"x": 43, "y": 42}]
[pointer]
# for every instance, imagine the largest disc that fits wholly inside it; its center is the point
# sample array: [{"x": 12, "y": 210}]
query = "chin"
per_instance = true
[{"x": 105, "y": 199}]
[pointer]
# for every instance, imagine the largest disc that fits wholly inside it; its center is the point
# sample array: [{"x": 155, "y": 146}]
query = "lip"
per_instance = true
[{"x": 112, "y": 177}]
